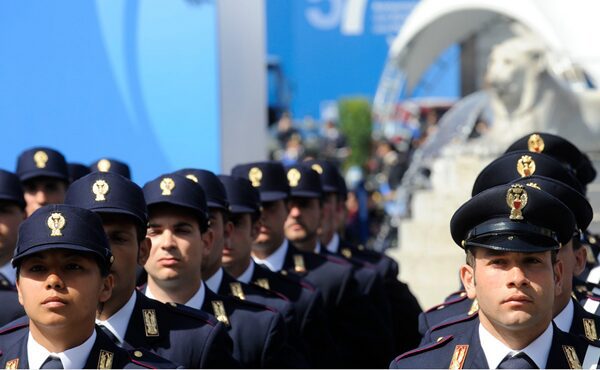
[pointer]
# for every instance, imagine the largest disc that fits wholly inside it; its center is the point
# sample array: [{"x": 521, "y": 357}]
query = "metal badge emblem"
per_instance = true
[
  {"x": 219, "y": 311},
  {"x": 317, "y": 167},
  {"x": 572, "y": 358},
  {"x": 255, "y": 175},
  {"x": 534, "y": 185},
  {"x": 346, "y": 252},
  {"x": 12, "y": 364},
  {"x": 299, "y": 265},
  {"x": 294, "y": 177},
  {"x": 100, "y": 188},
  {"x": 40, "y": 158},
  {"x": 535, "y": 143},
  {"x": 103, "y": 165},
  {"x": 105, "y": 359},
  {"x": 459, "y": 356},
  {"x": 526, "y": 166},
  {"x": 191, "y": 177},
  {"x": 263, "y": 283},
  {"x": 236, "y": 290},
  {"x": 516, "y": 198},
  {"x": 56, "y": 222},
  {"x": 474, "y": 307},
  {"x": 167, "y": 185},
  {"x": 589, "y": 327},
  {"x": 150, "y": 323}
]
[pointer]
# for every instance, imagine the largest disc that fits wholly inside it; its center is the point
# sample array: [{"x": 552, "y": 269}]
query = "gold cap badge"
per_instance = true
[
  {"x": 535, "y": 143},
  {"x": 100, "y": 188},
  {"x": 525, "y": 166},
  {"x": 56, "y": 222},
  {"x": 167, "y": 185},
  {"x": 103, "y": 165},
  {"x": 294, "y": 177},
  {"x": 317, "y": 167},
  {"x": 192, "y": 177},
  {"x": 255, "y": 175},
  {"x": 516, "y": 198},
  {"x": 40, "y": 158},
  {"x": 150, "y": 323}
]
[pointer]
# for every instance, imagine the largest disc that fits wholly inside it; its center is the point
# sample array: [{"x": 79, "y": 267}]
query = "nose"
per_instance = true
[
  {"x": 294, "y": 211},
  {"x": 518, "y": 278},
  {"x": 54, "y": 281},
  {"x": 167, "y": 240}
]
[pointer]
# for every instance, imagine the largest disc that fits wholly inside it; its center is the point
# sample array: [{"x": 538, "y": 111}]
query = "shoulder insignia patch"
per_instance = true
[
  {"x": 299, "y": 265},
  {"x": 474, "y": 307},
  {"x": 236, "y": 290},
  {"x": 150, "y": 323},
  {"x": 439, "y": 343},
  {"x": 572, "y": 358},
  {"x": 105, "y": 359},
  {"x": 589, "y": 327},
  {"x": 263, "y": 283},
  {"x": 12, "y": 364},
  {"x": 459, "y": 356},
  {"x": 346, "y": 252},
  {"x": 220, "y": 313}
]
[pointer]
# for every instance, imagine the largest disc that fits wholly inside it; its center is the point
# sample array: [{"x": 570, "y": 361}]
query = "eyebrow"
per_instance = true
[{"x": 179, "y": 224}]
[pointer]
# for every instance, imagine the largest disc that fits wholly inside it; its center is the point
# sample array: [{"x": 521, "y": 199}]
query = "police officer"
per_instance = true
[
  {"x": 511, "y": 234},
  {"x": 111, "y": 165},
  {"x": 189, "y": 338},
  {"x": 63, "y": 261},
  {"x": 178, "y": 229},
  {"x": 12, "y": 213},
  {"x": 44, "y": 175},
  {"x": 77, "y": 171}
]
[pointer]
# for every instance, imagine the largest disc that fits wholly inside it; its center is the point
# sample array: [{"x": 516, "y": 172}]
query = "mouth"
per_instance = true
[
  {"x": 518, "y": 299},
  {"x": 168, "y": 261},
  {"x": 53, "y": 302}
]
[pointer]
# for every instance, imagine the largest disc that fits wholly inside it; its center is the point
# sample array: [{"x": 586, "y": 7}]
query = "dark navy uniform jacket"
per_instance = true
[
  {"x": 353, "y": 319},
  {"x": 13, "y": 351},
  {"x": 259, "y": 334},
  {"x": 11, "y": 308},
  {"x": 190, "y": 338},
  {"x": 307, "y": 300},
  {"x": 439, "y": 354},
  {"x": 455, "y": 305}
]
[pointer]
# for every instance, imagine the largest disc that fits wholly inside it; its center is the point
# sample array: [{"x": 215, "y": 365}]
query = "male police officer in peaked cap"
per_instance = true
[
  {"x": 63, "y": 261},
  {"x": 190, "y": 338},
  {"x": 511, "y": 234},
  {"x": 45, "y": 177},
  {"x": 111, "y": 165}
]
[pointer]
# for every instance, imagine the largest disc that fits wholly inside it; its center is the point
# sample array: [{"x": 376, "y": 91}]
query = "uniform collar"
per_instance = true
[
  {"x": 197, "y": 299},
  {"x": 214, "y": 282},
  {"x": 565, "y": 318},
  {"x": 119, "y": 321},
  {"x": 246, "y": 276},
  {"x": 276, "y": 260},
  {"x": 495, "y": 351},
  {"x": 9, "y": 272},
  {"x": 318, "y": 247},
  {"x": 334, "y": 244},
  {"x": 73, "y": 358}
]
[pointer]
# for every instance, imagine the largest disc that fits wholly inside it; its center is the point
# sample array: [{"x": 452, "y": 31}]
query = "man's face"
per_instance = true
[
  {"x": 272, "y": 220},
  {"x": 177, "y": 245},
  {"x": 239, "y": 245},
  {"x": 221, "y": 231},
  {"x": 60, "y": 288},
  {"x": 303, "y": 220},
  {"x": 330, "y": 215},
  {"x": 122, "y": 236},
  {"x": 11, "y": 216},
  {"x": 515, "y": 291},
  {"x": 573, "y": 261},
  {"x": 41, "y": 191}
]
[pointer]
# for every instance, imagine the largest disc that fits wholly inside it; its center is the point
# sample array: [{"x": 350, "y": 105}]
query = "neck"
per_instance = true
[
  {"x": 63, "y": 338},
  {"x": 174, "y": 290},
  {"x": 114, "y": 304},
  {"x": 515, "y": 339},
  {"x": 236, "y": 269},
  {"x": 326, "y": 238},
  {"x": 306, "y": 245},
  {"x": 264, "y": 250},
  {"x": 209, "y": 271},
  {"x": 561, "y": 301}
]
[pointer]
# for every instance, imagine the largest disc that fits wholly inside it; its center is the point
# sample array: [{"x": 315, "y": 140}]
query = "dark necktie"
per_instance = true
[
  {"x": 518, "y": 361},
  {"x": 110, "y": 334},
  {"x": 52, "y": 363}
]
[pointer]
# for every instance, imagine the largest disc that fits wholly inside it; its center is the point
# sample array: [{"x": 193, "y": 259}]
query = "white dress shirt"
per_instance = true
[
  {"x": 73, "y": 358},
  {"x": 246, "y": 276},
  {"x": 214, "y": 282},
  {"x": 495, "y": 351},
  {"x": 9, "y": 272},
  {"x": 119, "y": 321},
  {"x": 564, "y": 319},
  {"x": 195, "y": 302},
  {"x": 276, "y": 260},
  {"x": 334, "y": 244}
]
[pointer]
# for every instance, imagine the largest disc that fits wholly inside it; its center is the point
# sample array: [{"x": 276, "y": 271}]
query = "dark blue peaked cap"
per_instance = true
[
  {"x": 268, "y": 177},
  {"x": 304, "y": 181},
  {"x": 77, "y": 171},
  {"x": 243, "y": 198},
  {"x": 579, "y": 206},
  {"x": 514, "y": 218},
  {"x": 10, "y": 188},
  {"x": 216, "y": 197},
  {"x": 108, "y": 192},
  {"x": 61, "y": 226},
  {"x": 179, "y": 191},
  {"x": 560, "y": 149},
  {"x": 42, "y": 162},
  {"x": 330, "y": 175},
  {"x": 515, "y": 165},
  {"x": 111, "y": 165}
]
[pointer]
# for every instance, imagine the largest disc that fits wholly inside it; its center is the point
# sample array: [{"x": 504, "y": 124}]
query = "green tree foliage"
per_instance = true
[{"x": 356, "y": 124}]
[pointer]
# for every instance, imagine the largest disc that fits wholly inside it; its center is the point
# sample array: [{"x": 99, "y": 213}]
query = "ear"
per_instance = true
[
  {"x": 467, "y": 276},
  {"x": 19, "y": 293},
  {"x": 558, "y": 272},
  {"x": 208, "y": 238},
  {"x": 580, "y": 260},
  {"x": 144, "y": 251},
  {"x": 108, "y": 283},
  {"x": 228, "y": 229},
  {"x": 255, "y": 229}
]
